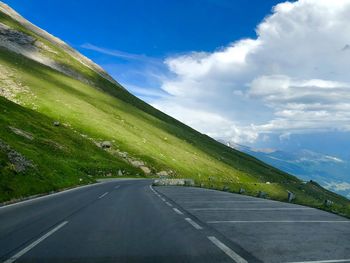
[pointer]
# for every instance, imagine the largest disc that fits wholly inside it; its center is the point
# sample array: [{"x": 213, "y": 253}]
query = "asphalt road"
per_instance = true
[
  {"x": 269, "y": 230},
  {"x": 129, "y": 221}
]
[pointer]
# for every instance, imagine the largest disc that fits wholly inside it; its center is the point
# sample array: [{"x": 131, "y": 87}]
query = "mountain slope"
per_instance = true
[
  {"x": 330, "y": 171},
  {"x": 47, "y": 78}
]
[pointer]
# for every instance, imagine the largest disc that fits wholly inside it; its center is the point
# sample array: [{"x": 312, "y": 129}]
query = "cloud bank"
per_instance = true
[{"x": 292, "y": 78}]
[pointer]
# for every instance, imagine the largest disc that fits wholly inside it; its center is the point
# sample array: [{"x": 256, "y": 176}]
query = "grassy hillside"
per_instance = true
[
  {"x": 93, "y": 109},
  {"x": 56, "y": 157}
]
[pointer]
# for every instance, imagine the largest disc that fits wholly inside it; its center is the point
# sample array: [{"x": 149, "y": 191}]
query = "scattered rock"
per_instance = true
[
  {"x": 225, "y": 188},
  {"x": 262, "y": 194},
  {"x": 19, "y": 162},
  {"x": 145, "y": 169},
  {"x": 181, "y": 182},
  {"x": 120, "y": 173},
  {"x": 106, "y": 144},
  {"x": 123, "y": 154},
  {"x": 241, "y": 190},
  {"x": 291, "y": 196},
  {"x": 56, "y": 123},
  {"x": 328, "y": 202},
  {"x": 137, "y": 163},
  {"x": 163, "y": 173}
]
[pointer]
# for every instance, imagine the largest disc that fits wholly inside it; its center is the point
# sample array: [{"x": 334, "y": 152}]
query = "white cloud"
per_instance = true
[
  {"x": 338, "y": 186},
  {"x": 293, "y": 78}
]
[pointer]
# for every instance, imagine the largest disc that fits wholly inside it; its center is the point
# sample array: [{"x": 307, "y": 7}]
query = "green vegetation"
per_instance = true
[
  {"x": 102, "y": 111},
  {"x": 61, "y": 158}
]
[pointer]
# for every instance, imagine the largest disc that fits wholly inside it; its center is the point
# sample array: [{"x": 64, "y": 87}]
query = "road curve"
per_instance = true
[
  {"x": 116, "y": 221},
  {"x": 129, "y": 221}
]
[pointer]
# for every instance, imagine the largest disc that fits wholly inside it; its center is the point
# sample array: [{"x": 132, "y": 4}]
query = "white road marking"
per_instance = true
[
  {"x": 49, "y": 195},
  {"x": 36, "y": 242},
  {"x": 324, "y": 261},
  {"x": 194, "y": 224},
  {"x": 163, "y": 199},
  {"x": 168, "y": 204},
  {"x": 103, "y": 195},
  {"x": 116, "y": 187},
  {"x": 278, "y": 221},
  {"x": 178, "y": 211},
  {"x": 252, "y": 209},
  {"x": 265, "y": 201},
  {"x": 228, "y": 251}
]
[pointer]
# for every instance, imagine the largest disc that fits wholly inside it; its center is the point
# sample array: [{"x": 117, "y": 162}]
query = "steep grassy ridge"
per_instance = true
[
  {"x": 94, "y": 109},
  {"x": 57, "y": 156}
]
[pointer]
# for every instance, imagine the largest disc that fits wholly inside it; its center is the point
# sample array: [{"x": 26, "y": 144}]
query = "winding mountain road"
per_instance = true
[{"x": 130, "y": 221}]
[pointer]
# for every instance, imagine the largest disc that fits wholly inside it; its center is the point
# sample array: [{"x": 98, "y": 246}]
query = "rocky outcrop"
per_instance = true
[
  {"x": 57, "y": 42},
  {"x": 18, "y": 161}
]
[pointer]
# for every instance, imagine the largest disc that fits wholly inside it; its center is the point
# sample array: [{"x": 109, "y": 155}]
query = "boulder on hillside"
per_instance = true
[
  {"x": 145, "y": 169},
  {"x": 137, "y": 163},
  {"x": 163, "y": 174},
  {"x": 106, "y": 144}
]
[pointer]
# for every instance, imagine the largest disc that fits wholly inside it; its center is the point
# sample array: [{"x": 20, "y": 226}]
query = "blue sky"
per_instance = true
[
  {"x": 141, "y": 34},
  {"x": 154, "y": 28},
  {"x": 252, "y": 72}
]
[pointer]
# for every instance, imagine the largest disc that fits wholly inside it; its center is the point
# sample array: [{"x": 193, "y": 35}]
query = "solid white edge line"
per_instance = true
[
  {"x": 50, "y": 195},
  {"x": 228, "y": 251},
  {"x": 168, "y": 204},
  {"x": 323, "y": 261},
  {"x": 280, "y": 221},
  {"x": 177, "y": 211},
  {"x": 36, "y": 242},
  {"x": 194, "y": 224},
  {"x": 236, "y": 201},
  {"x": 103, "y": 195},
  {"x": 252, "y": 209}
]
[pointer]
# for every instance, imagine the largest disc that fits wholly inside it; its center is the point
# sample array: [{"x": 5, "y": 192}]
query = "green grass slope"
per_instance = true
[
  {"x": 94, "y": 110},
  {"x": 58, "y": 157}
]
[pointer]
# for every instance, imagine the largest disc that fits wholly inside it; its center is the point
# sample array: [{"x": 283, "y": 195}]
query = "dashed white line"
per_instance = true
[
  {"x": 278, "y": 221},
  {"x": 36, "y": 242},
  {"x": 116, "y": 187},
  {"x": 324, "y": 261},
  {"x": 163, "y": 199},
  {"x": 252, "y": 209},
  {"x": 168, "y": 204},
  {"x": 228, "y": 251},
  {"x": 103, "y": 195},
  {"x": 177, "y": 211},
  {"x": 194, "y": 224}
]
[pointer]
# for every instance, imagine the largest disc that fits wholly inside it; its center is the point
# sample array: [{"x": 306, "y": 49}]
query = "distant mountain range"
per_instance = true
[{"x": 330, "y": 171}]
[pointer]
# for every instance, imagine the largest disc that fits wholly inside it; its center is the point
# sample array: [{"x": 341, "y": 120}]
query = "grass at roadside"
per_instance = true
[
  {"x": 59, "y": 157},
  {"x": 96, "y": 110}
]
